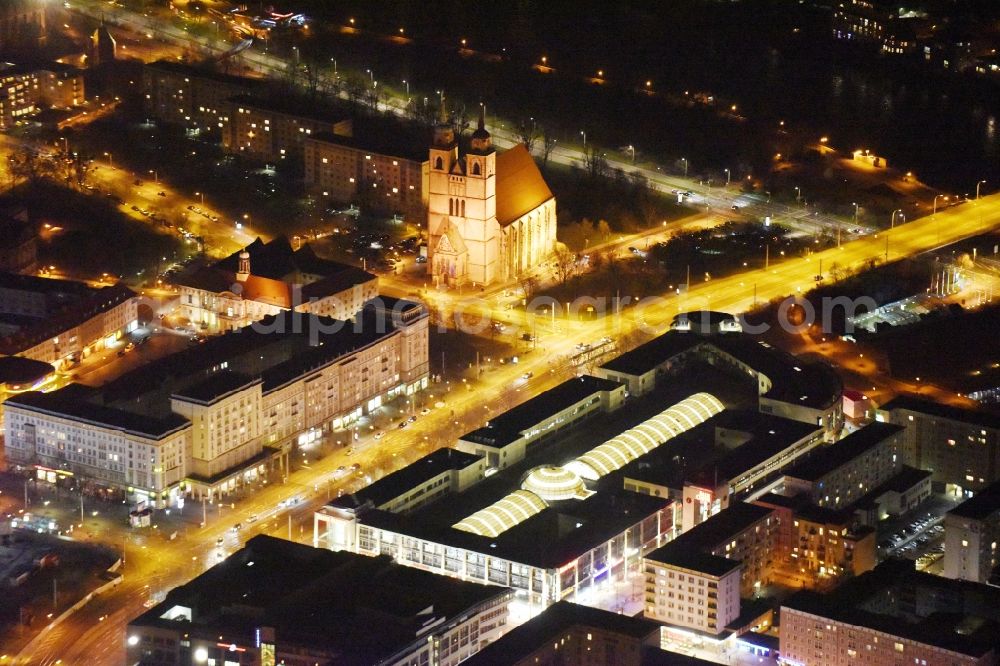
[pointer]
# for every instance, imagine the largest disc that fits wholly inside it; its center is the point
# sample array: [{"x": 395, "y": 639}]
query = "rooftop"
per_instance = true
[
  {"x": 520, "y": 187},
  {"x": 979, "y": 507},
  {"x": 218, "y": 385},
  {"x": 552, "y": 624},
  {"x": 18, "y": 371},
  {"x": 769, "y": 436},
  {"x": 200, "y": 72},
  {"x": 381, "y": 144},
  {"x": 294, "y": 107},
  {"x": 648, "y": 356},
  {"x": 693, "y": 549},
  {"x": 315, "y": 597},
  {"x": 970, "y": 625},
  {"x": 915, "y": 403},
  {"x": 822, "y": 461},
  {"x": 393, "y": 485},
  {"x": 508, "y": 427}
]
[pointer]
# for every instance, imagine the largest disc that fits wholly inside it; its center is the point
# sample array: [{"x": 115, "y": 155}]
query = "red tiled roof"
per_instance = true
[{"x": 520, "y": 186}]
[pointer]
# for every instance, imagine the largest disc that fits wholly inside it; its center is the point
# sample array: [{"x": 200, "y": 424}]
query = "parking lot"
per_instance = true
[{"x": 918, "y": 535}]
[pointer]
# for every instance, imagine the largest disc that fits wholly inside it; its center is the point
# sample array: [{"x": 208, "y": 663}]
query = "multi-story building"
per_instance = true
[
  {"x": 61, "y": 321},
  {"x": 206, "y": 420},
  {"x": 269, "y": 129},
  {"x": 279, "y": 602},
  {"x": 971, "y": 533},
  {"x": 387, "y": 177},
  {"x": 696, "y": 580},
  {"x": 816, "y": 543},
  {"x": 889, "y": 616},
  {"x": 839, "y": 474},
  {"x": 506, "y": 439},
  {"x": 267, "y": 278},
  {"x": 26, "y": 89},
  {"x": 960, "y": 446},
  {"x": 194, "y": 97},
  {"x": 881, "y": 23},
  {"x": 512, "y": 528},
  {"x": 22, "y": 26},
  {"x": 787, "y": 387},
  {"x": 18, "y": 243},
  {"x": 567, "y": 633}
]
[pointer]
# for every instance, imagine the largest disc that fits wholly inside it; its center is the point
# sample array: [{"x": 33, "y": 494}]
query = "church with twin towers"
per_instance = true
[{"x": 490, "y": 216}]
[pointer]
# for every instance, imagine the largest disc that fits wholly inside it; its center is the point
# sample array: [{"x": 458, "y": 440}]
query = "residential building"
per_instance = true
[
  {"x": 901, "y": 493},
  {"x": 204, "y": 421},
  {"x": 971, "y": 533},
  {"x": 271, "y": 129},
  {"x": 28, "y": 88},
  {"x": 960, "y": 446},
  {"x": 838, "y": 474},
  {"x": 279, "y": 602},
  {"x": 194, "y": 97},
  {"x": 387, "y": 177},
  {"x": 815, "y": 543},
  {"x": 892, "y": 615},
  {"x": 696, "y": 580},
  {"x": 61, "y": 321},
  {"x": 787, "y": 387},
  {"x": 883, "y": 24},
  {"x": 568, "y": 633},
  {"x": 490, "y": 217},
  {"x": 19, "y": 374},
  {"x": 267, "y": 278},
  {"x": 506, "y": 439}
]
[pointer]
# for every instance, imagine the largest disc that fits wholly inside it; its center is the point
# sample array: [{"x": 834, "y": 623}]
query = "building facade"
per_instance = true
[
  {"x": 271, "y": 131},
  {"x": 60, "y": 321},
  {"x": 489, "y": 217},
  {"x": 25, "y": 90},
  {"x": 971, "y": 533},
  {"x": 960, "y": 446},
  {"x": 351, "y": 171},
  {"x": 196, "y": 98},
  {"x": 203, "y": 422}
]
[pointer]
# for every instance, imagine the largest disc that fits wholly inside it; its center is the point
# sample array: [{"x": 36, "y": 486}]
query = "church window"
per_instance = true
[
  {"x": 451, "y": 206},
  {"x": 475, "y": 169},
  {"x": 463, "y": 207},
  {"x": 439, "y": 163}
]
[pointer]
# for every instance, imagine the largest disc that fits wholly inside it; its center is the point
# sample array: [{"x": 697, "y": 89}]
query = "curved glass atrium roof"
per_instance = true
[
  {"x": 651, "y": 433},
  {"x": 552, "y": 482}
]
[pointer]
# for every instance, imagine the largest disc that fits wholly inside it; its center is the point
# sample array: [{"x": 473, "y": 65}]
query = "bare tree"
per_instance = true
[
  {"x": 565, "y": 263},
  {"x": 527, "y": 134},
  {"x": 529, "y": 284},
  {"x": 461, "y": 122},
  {"x": 548, "y": 145},
  {"x": 604, "y": 229},
  {"x": 595, "y": 162}
]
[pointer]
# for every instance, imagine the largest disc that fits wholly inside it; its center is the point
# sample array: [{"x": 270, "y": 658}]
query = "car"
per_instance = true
[
  {"x": 341, "y": 469},
  {"x": 135, "y": 208},
  {"x": 161, "y": 194},
  {"x": 356, "y": 466},
  {"x": 252, "y": 518},
  {"x": 236, "y": 528},
  {"x": 411, "y": 419},
  {"x": 528, "y": 375},
  {"x": 403, "y": 424},
  {"x": 527, "y": 337},
  {"x": 379, "y": 435},
  {"x": 219, "y": 541},
  {"x": 735, "y": 207},
  {"x": 425, "y": 411},
  {"x": 191, "y": 207}
]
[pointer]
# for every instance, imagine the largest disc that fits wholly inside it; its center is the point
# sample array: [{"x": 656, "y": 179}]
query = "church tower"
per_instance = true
[{"x": 463, "y": 238}]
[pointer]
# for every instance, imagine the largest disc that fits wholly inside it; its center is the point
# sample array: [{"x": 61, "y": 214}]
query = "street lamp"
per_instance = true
[
  {"x": 685, "y": 160},
  {"x": 728, "y": 176},
  {"x": 977, "y": 188},
  {"x": 631, "y": 149},
  {"x": 584, "y": 135},
  {"x": 156, "y": 176},
  {"x": 202, "y": 195},
  {"x": 407, "y": 84},
  {"x": 855, "y": 204},
  {"x": 111, "y": 163},
  {"x": 798, "y": 194},
  {"x": 892, "y": 220},
  {"x": 936, "y": 196},
  {"x": 371, "y": 75}
]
